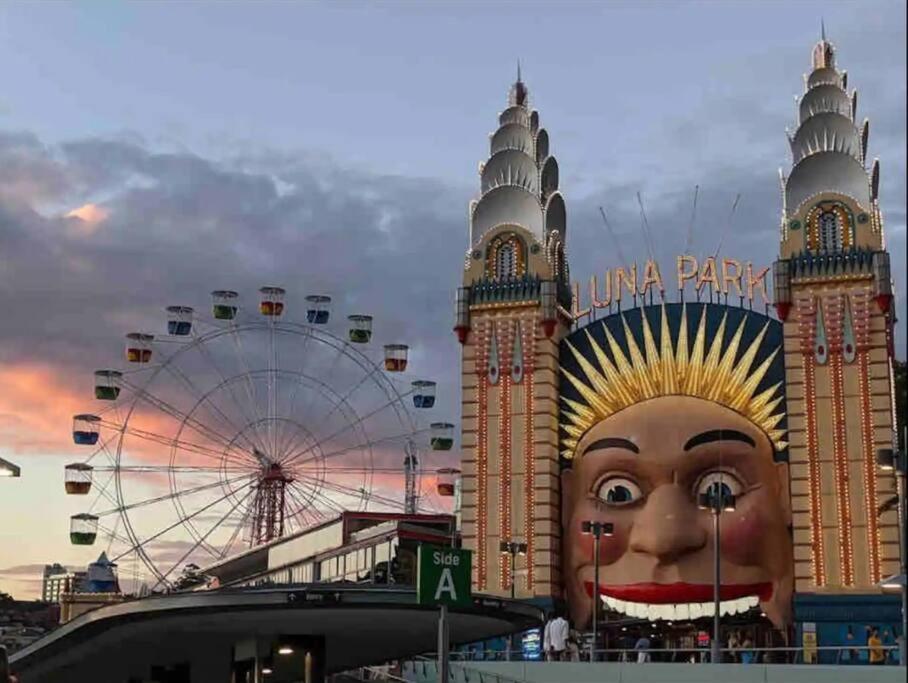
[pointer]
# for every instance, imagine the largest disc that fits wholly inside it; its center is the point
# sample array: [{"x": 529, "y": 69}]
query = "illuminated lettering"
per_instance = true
[
  {"x": 652, "y": 278},
  {"x": 728, "y": 278}
]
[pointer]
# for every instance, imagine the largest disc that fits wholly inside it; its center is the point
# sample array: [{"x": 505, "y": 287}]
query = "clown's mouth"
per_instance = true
[{"x": 680, "y": 601}]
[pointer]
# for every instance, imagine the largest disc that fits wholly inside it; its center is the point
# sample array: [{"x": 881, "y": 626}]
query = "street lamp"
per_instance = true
[
  {"x": 512, "y": 548},
  {"x": 717, "y": 499},
  {"x": 897, "y": 460},
  {"x": 8, "y": 469},
  {"x": 598, "y": 530}
]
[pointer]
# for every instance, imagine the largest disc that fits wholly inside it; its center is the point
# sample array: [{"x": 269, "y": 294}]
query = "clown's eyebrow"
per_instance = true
[
  {"x": 718, "y": 435},
  {"x": 612, "y": 442}
]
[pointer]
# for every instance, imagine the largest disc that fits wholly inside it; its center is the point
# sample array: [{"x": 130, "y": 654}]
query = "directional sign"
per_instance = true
[{"x": 443, "y": 576}]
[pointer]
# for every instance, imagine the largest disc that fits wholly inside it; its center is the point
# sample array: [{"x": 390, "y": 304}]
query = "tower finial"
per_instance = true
[
  {"x": 519, "y": 80},
  {"x": 822, "y": 29}
]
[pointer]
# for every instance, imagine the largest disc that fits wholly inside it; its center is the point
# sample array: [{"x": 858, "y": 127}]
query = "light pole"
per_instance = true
[
  {"x": 889, "y": 460},
  {"x": 513, "y": 548},
  {"x": 598, "y": 530},
  {"x": 716, "y": 500},
  {"x": 8, "y": 469}
]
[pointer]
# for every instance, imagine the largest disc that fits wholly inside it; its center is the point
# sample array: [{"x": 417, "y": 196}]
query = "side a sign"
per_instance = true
[{"x": 443, "y": 576}]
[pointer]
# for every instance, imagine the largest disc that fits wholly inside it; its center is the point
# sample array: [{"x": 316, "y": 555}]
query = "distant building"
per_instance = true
[
  {"x": 58, "y": 580},
  {"x": 356, "y": 547}
]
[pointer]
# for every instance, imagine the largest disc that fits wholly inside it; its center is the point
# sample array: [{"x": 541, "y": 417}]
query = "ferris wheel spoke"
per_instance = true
[
  {"x": 403, "y": 436},
  {"x": 113, "y": 534},
  {"x": 349, "y": 426},
  {"x": 202, "y": 540},
  {"x": 140, "y": 544},
  {"x": 205, "y": 399},
  {"x": 103, "y": 490},
  {"x": 174, "y": 494},
  {"x": 354, "y": 492},
  {"x": 247, "y": 375},
  {"x": 313, "y": 492},
  {"x": 305, "y": 515},
  {"x": 376, "y": 368},
  {"x": 193, "y": 447},
  {"x": 244, "y": 520},
  {"x": 250, "y": 419},
  {"x": 300, "y": 376},
  {"x": 163, "y": 469},
  {"x": 199, "y": 427}
]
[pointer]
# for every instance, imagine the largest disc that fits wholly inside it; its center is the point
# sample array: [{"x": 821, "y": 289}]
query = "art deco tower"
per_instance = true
[
  {"x": 833, "y": 292},
  {"x": 510, "y": 317}
]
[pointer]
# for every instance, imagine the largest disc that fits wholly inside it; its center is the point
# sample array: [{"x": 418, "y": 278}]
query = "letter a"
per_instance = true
[{"x": 446, "y": 585}]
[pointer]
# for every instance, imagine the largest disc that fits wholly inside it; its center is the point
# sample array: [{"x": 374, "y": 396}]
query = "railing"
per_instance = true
[
  {"x": 843, "y": 654},
  {"x": 426, "y": 668}
]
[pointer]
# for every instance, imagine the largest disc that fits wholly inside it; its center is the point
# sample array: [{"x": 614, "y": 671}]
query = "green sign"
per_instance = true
[{"x": 443, "y": 576}]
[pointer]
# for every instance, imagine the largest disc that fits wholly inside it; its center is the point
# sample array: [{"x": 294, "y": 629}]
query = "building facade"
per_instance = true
[
  {"x": 510, "y": 317},
  {"x": 811, "y": 392},
  {"x": 57, "y": 580},
  {"x": 834, "y": 294}
]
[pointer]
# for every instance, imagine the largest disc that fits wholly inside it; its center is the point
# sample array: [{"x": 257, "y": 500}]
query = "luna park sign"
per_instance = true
[{"x": 709, "y": 277}]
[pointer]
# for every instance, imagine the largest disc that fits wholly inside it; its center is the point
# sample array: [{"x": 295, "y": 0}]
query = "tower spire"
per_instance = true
[
  {"x": 822, "y": 29},
  {"x": 519, "y": 79}
]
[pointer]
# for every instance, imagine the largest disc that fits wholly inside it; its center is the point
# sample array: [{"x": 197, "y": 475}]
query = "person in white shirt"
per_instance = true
[{"x": 555, "y": 639}]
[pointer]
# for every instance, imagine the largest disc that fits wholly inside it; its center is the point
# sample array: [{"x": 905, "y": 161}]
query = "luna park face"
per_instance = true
[{"x": 643, "y": 470}]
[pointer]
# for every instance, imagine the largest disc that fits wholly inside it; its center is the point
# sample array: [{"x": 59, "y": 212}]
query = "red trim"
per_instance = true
[
  {"x": 462, "y": 332},
  {"x": 782, "y": 310}
]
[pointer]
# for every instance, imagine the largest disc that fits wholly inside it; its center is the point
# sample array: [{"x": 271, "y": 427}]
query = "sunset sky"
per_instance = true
[{"x": 152, "y": 152}]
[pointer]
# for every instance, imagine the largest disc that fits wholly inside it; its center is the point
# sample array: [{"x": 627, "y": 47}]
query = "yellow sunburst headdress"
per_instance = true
[{"x": 660, "y": 370}]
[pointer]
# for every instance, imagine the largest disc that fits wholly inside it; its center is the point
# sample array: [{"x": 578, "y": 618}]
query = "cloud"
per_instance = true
[
  {"x": 88, "y": 218},
  {"x": 22, "y": 569}
]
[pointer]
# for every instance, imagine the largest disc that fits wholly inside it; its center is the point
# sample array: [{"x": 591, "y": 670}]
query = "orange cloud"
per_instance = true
[{"x": 90, "y": 216}]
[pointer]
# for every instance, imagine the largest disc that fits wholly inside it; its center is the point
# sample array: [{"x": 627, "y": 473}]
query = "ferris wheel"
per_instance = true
[{"x": 239, "y": 426}]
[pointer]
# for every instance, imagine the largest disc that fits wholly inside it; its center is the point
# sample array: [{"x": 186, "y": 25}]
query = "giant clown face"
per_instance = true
[{"x": 642, "y": 469}]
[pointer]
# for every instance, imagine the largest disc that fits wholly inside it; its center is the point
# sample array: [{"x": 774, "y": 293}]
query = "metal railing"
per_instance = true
[{"x": 842, "y": 654}]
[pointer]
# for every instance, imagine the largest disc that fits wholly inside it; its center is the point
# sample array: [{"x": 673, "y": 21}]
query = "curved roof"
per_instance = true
[
  {"x": 515, "y": 114},
  {"x": 556, "y": 215},
  {"x": 824, "y": 75},
  {"x": 549, "y": 177},
  {"x": 826, "y": 132},
  {"x": 512, "y": 136},
  {"x": 506, "y": 204},
  {"x": 827, "y": 172},
  {"x": 542, "y": 145},
  {"x": 360, "y": 624},
  {"x": 510, "y": 167},
  {"x": 824, "y": 98}
]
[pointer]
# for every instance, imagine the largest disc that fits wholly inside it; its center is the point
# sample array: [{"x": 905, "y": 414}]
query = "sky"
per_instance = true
[{"x": 151, "y": 152}]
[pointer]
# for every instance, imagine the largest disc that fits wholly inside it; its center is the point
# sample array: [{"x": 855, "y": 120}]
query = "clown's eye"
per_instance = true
[
  {"x": 618, "y": 491},
  {"x": 713, "y": 482}
]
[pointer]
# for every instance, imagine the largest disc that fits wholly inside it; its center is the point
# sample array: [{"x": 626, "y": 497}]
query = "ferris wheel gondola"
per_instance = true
[{"x": 241, "y": 426}]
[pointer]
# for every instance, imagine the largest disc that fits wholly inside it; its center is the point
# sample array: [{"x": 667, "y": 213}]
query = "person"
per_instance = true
[
  {"x": 747, "y": 655},
  {"x": 559, "y": 637},
  {"x": 642, "y": 647},
  {"x": 877, "y": 656},
  {"x": 573, "y": 646},
  {"x": 641, "y": 465},
  {"x": 733, "y": 642}
]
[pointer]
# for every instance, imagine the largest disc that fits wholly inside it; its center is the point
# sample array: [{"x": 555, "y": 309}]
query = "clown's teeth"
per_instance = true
[{"x": 679, "y": 612}]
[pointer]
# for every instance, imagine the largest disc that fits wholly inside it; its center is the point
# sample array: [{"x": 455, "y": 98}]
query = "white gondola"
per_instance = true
[
  {"x": 271, "y": 302},
  {"x": 77, "y": 478},
  {"x": 86, "y": 429},
  {"x": 179, "y": 320},
  {"x": 224, "y": 304},
  {"x": 442, "y": 436},
  {"x": 360, "y": 328},
  {"x": 447, "y": 481},
  {"x": 423, "y": 393},
  {"x": 318, "y": 308},
  {"x": 107, "y": 384},
  {"x": 396, "y": 357},
  {"x": 138, "y": 347},
  {"x": 83, "y": 529}
]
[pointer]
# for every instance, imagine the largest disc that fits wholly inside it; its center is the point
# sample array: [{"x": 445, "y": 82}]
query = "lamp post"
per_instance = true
[
  {"x": 889, "y": 460},
  {"x": 598, "y": 530},
  {"x": 8, "y": 469},
  {"x": 718, "y": 499},
  {"x": 513, "y": 548}
]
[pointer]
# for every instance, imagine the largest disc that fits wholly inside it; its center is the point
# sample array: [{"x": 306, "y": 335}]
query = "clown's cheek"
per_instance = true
[
  {"x": 611, "y": 548},
  {"x": 742, "y": 536}
]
